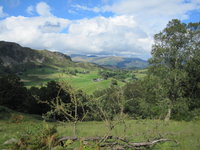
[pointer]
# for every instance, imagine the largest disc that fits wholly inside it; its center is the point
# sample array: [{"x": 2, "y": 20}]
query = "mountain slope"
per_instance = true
[
  {"x": 19, "y": 58},
  {"x": 112, "y": 61}
]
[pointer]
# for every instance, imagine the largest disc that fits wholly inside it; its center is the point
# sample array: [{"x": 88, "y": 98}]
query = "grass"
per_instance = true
[
  {"x": 140, "y": 74},
  {"x": 187, "y": 134},
  {"x": 86, "y": 83},
  {"x": 11, "y": 128}
]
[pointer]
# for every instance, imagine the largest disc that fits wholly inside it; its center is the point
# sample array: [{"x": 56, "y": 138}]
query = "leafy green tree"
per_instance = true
[
  {"x": 46, "y": 94},
  {"x": 192, "y": 67},
  {"x": 13, "y": 94},
  {"x": 170, "y": 54},
  {"x": 145, "y": 99},
  {"x": 133, "y": 93}
]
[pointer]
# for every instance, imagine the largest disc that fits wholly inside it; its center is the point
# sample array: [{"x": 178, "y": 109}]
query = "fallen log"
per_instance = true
[
  {"x": 97, "y": 138},
  {"x": 138, "y": 145},
  {"x": 117, "y": 141},
  {"x": 149, "y": 144}
]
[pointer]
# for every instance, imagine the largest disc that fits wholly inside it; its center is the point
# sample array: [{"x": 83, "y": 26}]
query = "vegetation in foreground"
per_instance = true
[{"x": 184, "y": 133}]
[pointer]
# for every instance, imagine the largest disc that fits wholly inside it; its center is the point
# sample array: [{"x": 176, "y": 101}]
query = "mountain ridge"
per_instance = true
[{"x": 112, "y": 61}]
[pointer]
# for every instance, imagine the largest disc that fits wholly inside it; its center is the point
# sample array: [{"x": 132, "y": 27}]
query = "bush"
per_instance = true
[{"x": 44, "y": 138}]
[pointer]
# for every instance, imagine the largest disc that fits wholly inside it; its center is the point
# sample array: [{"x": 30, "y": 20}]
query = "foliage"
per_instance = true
[
  {"x": 118, "y": 74},
  {"x": 72, "y": 109},
  {"x": 13, "y": 94},
  {"x": 171, "y": 87},
  {"x": 44, "y": 138},
  {"x": 172, "y": 53},
  {"x": 108, "y": 105}
]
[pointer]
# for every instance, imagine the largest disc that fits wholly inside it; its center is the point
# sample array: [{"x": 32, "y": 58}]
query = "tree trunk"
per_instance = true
[
  {"x": 75, "y": 128},
  {"x": 168, "y": 116}
]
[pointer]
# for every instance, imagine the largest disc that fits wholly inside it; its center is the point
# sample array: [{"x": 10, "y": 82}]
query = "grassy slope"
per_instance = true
[
  {"x": 85, "y": 82},
  {"x": 10, "y": 129},
  {"x": 185, "y": 133}
]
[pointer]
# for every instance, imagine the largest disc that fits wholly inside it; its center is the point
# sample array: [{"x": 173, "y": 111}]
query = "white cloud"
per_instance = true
[
  {"x": 153, "y": 15},
  {"x": 43, "y": 9},
  {"x": 80, "y": 7},
  {"x": 31, "y": 31},
  {"x": 2, "y": 13},
  {"x": 72, "y": 11},
  {"x": 153, "y": 7},
  {"x": 30, "y": 9}
]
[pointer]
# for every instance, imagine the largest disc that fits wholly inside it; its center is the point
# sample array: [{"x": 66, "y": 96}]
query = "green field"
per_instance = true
[
  {"x": 39, "y": 77},
  {"x": 140, "y": 73},
  {"x": 187, "y": 134},
  {"x": 84, "y": 81}
]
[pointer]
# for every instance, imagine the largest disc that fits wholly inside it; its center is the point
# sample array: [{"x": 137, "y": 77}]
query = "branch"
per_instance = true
[
  {"x": 149, "y": 144},
  {"x": 117, "y": 141}
]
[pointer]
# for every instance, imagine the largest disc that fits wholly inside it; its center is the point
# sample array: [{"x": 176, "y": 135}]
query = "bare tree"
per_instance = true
[{"x": 73, "y": 111}]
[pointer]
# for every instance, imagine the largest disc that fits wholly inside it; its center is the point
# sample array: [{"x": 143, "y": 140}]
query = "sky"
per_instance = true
[{"x": 92, "y": 27}]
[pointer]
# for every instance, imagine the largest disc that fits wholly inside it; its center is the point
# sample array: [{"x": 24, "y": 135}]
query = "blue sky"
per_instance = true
[
  {"x": 60, "y": 8},
  {"x": 101, "y": 27}
]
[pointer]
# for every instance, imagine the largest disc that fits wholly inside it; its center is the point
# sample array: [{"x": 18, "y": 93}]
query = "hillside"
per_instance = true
[
  {"x": 112, "y": 61},
  {"x": 18, "y": 58}
]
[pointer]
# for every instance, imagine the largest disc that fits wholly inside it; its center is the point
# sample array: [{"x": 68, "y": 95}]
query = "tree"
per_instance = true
[
  {"x": 71, "y": 107},
  {"x": 133, "y": 92},
  {"x": 13, "y": 94},
  {"x": 171, "y": 52},
  {"x": 192, "y": 85},
  {"x": 109, "y": 106}
]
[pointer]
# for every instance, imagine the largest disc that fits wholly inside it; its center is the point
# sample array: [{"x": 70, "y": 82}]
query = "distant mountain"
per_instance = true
[{"x": 112, "y": 61}]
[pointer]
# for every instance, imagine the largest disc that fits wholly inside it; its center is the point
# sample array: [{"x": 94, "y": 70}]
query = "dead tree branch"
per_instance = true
[{"x": 117, "y": 141}]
